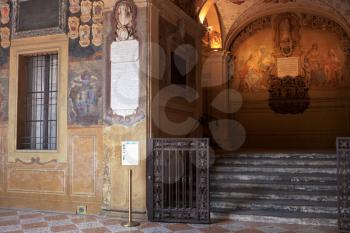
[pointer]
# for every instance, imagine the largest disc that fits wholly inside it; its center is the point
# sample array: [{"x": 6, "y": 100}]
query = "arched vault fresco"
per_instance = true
[
  {"x": 236, "y": 14},
  {"x": 318, "y": 47}
]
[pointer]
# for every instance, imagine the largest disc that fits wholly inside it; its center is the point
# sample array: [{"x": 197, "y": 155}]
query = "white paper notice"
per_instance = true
[
  {"x": 125, "y": 82},
  {"x": 130, "y": 153}
]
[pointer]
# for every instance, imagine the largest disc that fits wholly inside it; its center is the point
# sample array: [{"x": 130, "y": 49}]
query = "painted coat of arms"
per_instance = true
[{"x": 84, "y": 96}]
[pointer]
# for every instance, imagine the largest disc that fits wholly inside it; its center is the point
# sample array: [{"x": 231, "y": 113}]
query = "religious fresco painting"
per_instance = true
[
  {"x": 85, "y": 28},
  {"x": 85, "y": 93},
  {"x": 5, "y": 31},
  {"x": 318, "y": 53}
]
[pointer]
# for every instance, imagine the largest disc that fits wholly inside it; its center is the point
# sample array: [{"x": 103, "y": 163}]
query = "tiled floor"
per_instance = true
[{"x": 20, "y": 221}]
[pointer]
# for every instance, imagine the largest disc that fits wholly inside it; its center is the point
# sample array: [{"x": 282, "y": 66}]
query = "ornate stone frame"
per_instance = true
[
  {"x": 39, "y": 32},
  {"x": 28, "y": 46}
]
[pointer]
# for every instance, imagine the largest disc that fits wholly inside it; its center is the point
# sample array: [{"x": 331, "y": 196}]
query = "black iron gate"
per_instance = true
[
  {"x": 178, "y": 180},
  {"x": 343, "y": 171}
]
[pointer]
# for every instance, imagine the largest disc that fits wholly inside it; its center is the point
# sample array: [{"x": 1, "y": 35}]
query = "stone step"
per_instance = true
[
  {"x": 273, "y": 177},
  {"x": 278, "y": 169},
  {"x": 263, "y": 156},
  {"x": 283, "y": 217},
  {"x": 276, "y": 205},
  {"x": 301, "y": 188},
  {"x": 238, "y": 184},
  {"x": 277, "y": 162},
  {"x": 252, "y": 194}
]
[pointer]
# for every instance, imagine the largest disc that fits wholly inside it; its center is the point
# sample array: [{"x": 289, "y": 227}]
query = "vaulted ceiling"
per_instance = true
[{"x": 235, "y": 14}]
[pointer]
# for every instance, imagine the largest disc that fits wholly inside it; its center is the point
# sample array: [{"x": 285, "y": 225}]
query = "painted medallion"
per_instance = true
[
  {"x": 74, "y": 6},
  {"x": 85, "y": 11},
  {"x": 97, "y": 12},
  {"x": 97, "y": 34},
  {"x": 5, "y": 13},
  {"x": 84, "y": 33},
  {"x": 5, "y": 37},
  {"x": 73, "y": 25}
]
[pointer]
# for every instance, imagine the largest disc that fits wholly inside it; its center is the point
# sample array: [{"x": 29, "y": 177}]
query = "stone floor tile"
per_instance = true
[
  {"x": 8, "y": 213},
  {"x": 35, "y": 225},
  {"x": 117, "y": 228},
  {"x": 135, "y": 231},
  {"x": 86, "y": 225},
  {"x": 14, "y": 232},
  {"x": 150, "y": 224},
  {"x": 56, "y": 217},
  {"x": 10, "y": 228},
  {"x": 250, "y": 231},
  {"x": 109, "y": 222},
  {"x": 189, "y": 231},
  {"x": 30, "y": 215},
  {"x": 271, "y": 229},
  {"x": 234, "y": 226},
  {"x": 179, "y": 227},
  {"x": 82, "y": 219},
  {"x": 60, "y": 223},
  {"x": 31, "y": 220},
  {"x": 156, "y": 230},
  {"x": 38, "y": 230},
  {"x": 8, "y": 222},
  {"x": 96, "y": 230},
  {"x": 212, "y": 229},
  {"x": 64, "y": 228}
]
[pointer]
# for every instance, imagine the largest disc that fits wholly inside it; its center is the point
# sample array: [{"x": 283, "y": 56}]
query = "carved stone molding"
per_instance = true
[{"x": 111, "y": 118}]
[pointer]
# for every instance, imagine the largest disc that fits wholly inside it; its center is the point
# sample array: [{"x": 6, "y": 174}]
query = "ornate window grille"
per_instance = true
[{"x": 37, "y": 102}]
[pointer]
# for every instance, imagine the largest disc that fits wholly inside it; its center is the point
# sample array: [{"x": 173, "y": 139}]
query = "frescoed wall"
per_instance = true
[
  {"x": 321, "y": 52},
  {"x": 293, "y": 73},
  {"x": 85, "y": 93}
]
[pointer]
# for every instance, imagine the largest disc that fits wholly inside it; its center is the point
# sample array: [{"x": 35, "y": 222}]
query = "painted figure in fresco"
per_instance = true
[
  {"x": 84, "y": 33},
  {"x": 5, "y": 37},
  {"x": 5, "y": 13},
  {"x": 256, "y": 71},
  {"x": 74, "y": 6},
  {"x": 313, "y": 66},
  {"x": 85, "y": 6},
  {"x": 125, "y": 16},
  {"x": 73, "y": 25},
  {"x": 84, "y": 96},
  {"x": 333, "y": 69},
  {"x": 97, "y": 12},
  {"x": 97, "y": 34}
]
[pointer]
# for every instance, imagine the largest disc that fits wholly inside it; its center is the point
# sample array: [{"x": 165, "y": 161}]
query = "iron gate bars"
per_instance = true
[
  {"x": 343, "y": 172},
  {"x": 178, "y": 180}
]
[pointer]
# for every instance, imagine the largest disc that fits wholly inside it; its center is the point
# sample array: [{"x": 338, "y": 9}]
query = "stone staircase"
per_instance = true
[{"x": 275, "y": 187}]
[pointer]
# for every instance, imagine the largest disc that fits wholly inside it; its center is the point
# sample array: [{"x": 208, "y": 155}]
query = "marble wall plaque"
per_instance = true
[
  {"x": 125, "y": 51},
  {"x": 125, "y": 81},
  {"x": 287, "y": 66}
]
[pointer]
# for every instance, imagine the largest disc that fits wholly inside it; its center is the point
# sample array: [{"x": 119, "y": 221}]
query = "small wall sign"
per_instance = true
[{"x": 130, "y": 153}]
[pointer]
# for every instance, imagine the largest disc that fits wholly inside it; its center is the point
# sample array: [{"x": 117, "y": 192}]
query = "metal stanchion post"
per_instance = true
[{"x": 130, "y": 223}]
